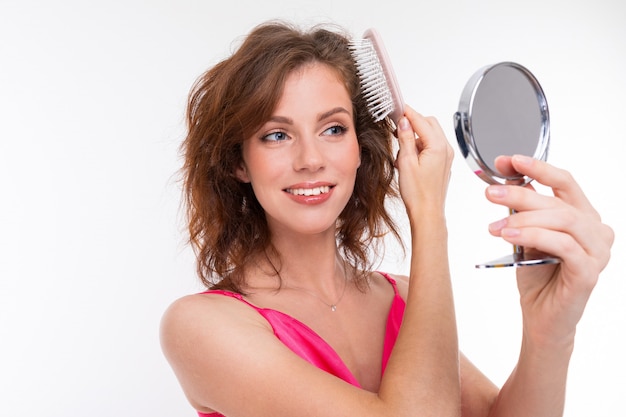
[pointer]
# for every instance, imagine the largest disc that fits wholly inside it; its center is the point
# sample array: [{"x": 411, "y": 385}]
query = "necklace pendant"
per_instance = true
[{"x": 333, "y": 307}]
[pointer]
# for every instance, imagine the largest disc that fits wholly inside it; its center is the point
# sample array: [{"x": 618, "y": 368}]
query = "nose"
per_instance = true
[{"x": 309, "y": 154}]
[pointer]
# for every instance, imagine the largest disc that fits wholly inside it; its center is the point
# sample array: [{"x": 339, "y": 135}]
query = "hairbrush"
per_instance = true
[{"x": 378, "y": 80}]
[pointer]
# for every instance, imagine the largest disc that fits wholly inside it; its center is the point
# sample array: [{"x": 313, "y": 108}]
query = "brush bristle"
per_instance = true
[{"x": 374, "y": 84}]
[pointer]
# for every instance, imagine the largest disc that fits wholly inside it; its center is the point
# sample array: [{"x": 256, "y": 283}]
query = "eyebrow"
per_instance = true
[
  {"x": 333, "y": 112},
  {"x": 322, "y": 116}
]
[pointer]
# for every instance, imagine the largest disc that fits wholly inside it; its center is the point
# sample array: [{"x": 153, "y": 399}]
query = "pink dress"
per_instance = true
[{"x": 311, "y": 347}]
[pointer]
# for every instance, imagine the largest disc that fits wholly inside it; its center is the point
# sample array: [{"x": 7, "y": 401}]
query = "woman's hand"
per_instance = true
[
  {"x": 423, "y": 162},
  {"x": 553, "y": 297}
]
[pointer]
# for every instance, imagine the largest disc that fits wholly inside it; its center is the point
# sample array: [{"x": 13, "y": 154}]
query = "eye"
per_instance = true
[
  {"x": 335, "y": 130},
  {"x": 277, "y": 136}
]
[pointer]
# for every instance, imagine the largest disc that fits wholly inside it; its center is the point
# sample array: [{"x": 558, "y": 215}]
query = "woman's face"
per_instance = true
[{"x": 302, "y": 162}]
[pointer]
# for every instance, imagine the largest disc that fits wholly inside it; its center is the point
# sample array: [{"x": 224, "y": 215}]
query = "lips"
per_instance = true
[
  {"x": 310, "y": 194},
  {"x": 313, "y": 191}
]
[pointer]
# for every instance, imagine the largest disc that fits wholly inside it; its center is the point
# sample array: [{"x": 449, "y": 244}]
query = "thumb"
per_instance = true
[{"x": 406, "y": 138}]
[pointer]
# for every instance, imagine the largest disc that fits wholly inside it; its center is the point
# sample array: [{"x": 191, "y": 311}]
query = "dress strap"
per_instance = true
[
  {"x": 232, "y": 295},
  {"x": 391, "y": 281}
]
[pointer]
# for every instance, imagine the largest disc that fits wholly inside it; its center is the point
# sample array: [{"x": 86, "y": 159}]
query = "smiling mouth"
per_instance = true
[{"x": 309, "y": 191}]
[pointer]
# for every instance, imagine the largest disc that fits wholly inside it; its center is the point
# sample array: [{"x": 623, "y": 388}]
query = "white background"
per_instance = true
[{"x": 92, "y": 98}]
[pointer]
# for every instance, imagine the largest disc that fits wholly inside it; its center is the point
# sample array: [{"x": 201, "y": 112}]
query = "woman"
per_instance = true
[{"x": 286, "y": 177}]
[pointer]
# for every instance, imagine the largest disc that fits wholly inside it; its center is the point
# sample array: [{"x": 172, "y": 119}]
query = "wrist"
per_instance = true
[
  {"x": 429, "y": 230},
  {"x": 548, "y": 348},
  {"x": 427, "y": 216}
]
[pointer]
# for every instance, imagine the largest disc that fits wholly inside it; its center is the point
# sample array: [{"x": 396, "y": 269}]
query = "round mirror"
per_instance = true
[{"x": 502, "y": 111}]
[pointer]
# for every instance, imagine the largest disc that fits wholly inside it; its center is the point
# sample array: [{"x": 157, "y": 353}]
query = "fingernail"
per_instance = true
[
  {"x": 497, "y": 226},
  {"x": 496, "y": 191},
  {"x": 510, "y": 232},
  {"x": 403, "y": 124}
]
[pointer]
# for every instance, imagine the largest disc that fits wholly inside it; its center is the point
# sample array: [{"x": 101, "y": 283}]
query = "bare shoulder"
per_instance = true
[
  {"x": 201, "y": 336},
  {"x": 204, "y": 320},
  {"x": 208, "y": 307},
  {"x": 198, "y": 314}
]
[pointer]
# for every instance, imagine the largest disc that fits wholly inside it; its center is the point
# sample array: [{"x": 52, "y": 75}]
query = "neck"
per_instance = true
[{"x": 312, "y": 265}]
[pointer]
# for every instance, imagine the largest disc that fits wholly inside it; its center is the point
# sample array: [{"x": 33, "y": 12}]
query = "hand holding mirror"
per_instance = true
[{"x": 503, "y": 111}]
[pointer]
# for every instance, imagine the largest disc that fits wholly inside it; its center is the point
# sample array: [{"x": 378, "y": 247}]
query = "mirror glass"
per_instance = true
[{"x": 503, "y": 111}]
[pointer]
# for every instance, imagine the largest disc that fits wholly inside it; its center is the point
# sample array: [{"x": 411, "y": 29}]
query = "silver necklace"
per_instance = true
[{"x": 333, "y": 306}]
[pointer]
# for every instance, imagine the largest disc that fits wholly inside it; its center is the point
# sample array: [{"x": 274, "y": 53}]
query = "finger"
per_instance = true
[
  {"x": 416, "y": 133},
  {"x": 581, "y": 267},
  {"x": 562, "y": 183},
  {"x": 406, "y": 137},
  {"x": 520, "y": 198},
  {"x": 504, "y": 166},
  {"x": 428, "y": 130},
  {"x": 595, "y": 238}
]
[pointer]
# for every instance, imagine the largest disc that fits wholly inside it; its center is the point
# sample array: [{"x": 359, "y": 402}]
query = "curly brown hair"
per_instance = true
[{"x": 227, "y": 104}]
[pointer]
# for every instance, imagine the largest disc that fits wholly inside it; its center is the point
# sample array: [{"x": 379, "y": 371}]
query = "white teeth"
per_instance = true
[{"x": 309, "y": 191}]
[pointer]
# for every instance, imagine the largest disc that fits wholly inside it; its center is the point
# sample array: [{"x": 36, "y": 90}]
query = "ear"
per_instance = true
[{"x": 241, "y": 172}]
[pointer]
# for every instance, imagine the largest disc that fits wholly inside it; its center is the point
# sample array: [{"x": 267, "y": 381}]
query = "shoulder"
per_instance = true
[
  {"x": 195, "y": 315},
  {"x": 206, "y": 323},
  {"x": 203, "y": 336}
]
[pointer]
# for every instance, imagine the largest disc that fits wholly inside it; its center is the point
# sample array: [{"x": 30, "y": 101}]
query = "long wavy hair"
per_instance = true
[{"x": 232, "y": 100}]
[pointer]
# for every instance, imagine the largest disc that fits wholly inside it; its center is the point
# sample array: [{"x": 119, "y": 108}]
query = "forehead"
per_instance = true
[{"x": 314, "y": 85}]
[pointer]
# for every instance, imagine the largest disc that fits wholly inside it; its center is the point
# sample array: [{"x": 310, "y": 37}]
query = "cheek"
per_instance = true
[
  {"x": 352, "y": 156},
  {"x": 262, "y": 167}
]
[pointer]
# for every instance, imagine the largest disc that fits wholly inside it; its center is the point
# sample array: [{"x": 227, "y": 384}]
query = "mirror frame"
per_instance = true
[{"x": 465, "y": 134}]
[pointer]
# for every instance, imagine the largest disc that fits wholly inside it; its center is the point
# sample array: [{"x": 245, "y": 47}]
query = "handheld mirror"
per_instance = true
[{"x": 503, "y": 111}]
